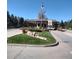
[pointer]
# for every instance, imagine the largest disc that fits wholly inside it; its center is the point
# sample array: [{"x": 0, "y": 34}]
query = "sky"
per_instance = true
[{"x": 29, "y": 9}]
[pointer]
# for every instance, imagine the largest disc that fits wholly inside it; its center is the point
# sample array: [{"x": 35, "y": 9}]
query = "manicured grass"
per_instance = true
[
  {"x": 25, "y": 39},
  {"x": 49, "y": 37}
]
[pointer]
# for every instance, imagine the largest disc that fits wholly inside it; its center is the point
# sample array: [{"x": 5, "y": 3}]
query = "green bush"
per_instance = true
[
  {"x": 24, "y": 31},
  {"x": 36, "y": 30}
]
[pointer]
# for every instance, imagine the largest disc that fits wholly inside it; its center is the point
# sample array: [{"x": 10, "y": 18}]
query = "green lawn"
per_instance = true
[
  {"x": 25, "y": 39},
  {"x": 49, "y": 37}
]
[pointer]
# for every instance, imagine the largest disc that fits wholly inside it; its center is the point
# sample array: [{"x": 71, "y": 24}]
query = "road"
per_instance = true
[
  {"x": 62, "y": 51},
  {"x": 63, "y": 37}
]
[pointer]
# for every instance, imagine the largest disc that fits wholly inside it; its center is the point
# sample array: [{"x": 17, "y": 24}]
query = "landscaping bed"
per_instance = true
[
  {"x": 25, "y": 39},
  {"x": 35, "y": 29}
]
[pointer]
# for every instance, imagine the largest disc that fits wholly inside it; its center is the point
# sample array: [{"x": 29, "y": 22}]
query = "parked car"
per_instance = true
[
  {"x": 61, "y": 29},
  {"x": 50, "y": 28}
]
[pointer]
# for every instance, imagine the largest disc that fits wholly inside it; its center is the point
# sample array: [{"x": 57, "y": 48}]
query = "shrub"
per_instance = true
[
  {"x": 36, "y": 30},
  {"x": 24, "y": 31}
]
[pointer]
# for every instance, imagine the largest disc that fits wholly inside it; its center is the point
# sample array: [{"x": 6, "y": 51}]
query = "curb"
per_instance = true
[
  {"x": 52, "y": 45},
  {"x": 28, "y": 45}
]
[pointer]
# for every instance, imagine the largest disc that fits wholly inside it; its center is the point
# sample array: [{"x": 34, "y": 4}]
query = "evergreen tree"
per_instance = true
[
  {"x": 21, "y": 21},
  {"x": 15, "y": 21},
  {"x": 62, "y": 25},
  {"x": 12, "y": 20},
  {"x": 68, "y": 24},
  {"x": 55, "y": 25},
  {"x": 9, "y": 21}
]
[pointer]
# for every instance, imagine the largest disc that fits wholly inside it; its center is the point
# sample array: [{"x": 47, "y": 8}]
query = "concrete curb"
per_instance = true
[
  {"x": 29, "y": 45},
  {"x": 52, "y": 45}
]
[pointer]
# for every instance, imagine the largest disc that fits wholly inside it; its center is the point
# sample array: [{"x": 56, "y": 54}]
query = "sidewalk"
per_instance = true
[{"x": 12, "y": 32}]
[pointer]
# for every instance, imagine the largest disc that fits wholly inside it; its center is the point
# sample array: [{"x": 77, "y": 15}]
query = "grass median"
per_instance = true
[{"x": 25, "y": 39}]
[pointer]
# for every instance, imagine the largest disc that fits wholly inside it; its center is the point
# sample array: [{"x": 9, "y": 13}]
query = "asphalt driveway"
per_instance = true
[{"x": 62, "y": 51}]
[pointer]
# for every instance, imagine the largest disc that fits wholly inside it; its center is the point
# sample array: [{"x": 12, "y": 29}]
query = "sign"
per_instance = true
[{"x": 49, "y": 22}]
